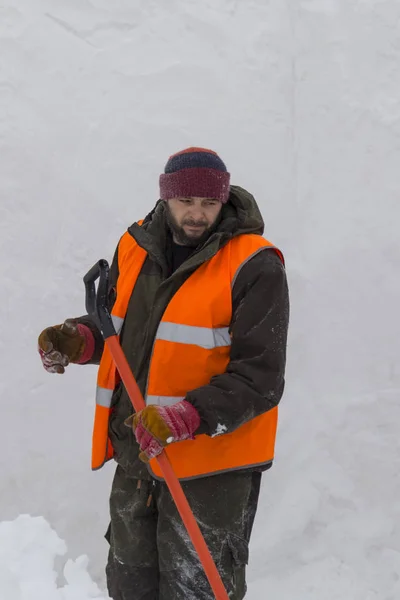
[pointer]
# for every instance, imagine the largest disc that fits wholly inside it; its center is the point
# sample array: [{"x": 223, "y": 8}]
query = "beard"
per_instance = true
[{"x": 180, "y": 235}]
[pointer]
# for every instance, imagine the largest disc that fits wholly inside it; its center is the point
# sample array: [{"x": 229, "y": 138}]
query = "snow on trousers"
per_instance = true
[{"x": 151, "y": 556}]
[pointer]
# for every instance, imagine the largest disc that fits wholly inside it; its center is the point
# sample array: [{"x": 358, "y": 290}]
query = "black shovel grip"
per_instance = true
[{"x": 96, "y": 301}]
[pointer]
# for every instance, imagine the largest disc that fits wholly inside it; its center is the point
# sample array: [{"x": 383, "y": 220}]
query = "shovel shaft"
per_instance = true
[{"x": 171, "y": 479}]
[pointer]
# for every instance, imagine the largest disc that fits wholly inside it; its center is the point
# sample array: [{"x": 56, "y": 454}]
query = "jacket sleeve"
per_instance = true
[
  {"x": 253, "y": 382},
  {"x": 87, "y": 320}
]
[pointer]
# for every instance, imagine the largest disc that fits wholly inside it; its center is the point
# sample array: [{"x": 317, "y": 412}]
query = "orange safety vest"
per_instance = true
[{"x": 191, "y": 346}]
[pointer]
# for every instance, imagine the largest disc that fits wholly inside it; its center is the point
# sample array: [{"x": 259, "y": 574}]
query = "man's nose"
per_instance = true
[{"x": 196, "y": 213}]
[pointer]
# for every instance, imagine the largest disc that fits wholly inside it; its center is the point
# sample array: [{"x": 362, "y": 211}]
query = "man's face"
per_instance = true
[{"x": 192, "y": 220}]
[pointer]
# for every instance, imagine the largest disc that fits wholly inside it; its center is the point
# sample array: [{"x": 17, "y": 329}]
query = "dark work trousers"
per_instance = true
[{"x": 151, "y": 556}]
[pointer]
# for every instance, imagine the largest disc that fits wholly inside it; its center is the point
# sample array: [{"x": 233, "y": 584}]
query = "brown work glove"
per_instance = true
[
  {"x": 157, "y": 426},
  {"x": 63, "y": 344}
]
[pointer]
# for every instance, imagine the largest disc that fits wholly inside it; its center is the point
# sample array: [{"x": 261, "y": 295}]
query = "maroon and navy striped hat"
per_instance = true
[{"x": 195, "y": 172}]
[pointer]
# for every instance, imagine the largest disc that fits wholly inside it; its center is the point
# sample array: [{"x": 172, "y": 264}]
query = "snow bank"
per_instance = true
[{"x": 29, "y": 548}]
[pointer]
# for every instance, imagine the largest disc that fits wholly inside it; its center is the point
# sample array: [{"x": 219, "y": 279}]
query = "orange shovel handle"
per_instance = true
[{"x": 171, "y": 479}]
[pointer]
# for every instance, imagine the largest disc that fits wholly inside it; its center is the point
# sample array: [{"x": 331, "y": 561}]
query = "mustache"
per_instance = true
[{"x": 192, "y": 223}]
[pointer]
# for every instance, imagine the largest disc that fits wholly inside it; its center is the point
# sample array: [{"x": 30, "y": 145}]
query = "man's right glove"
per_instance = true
[
  {"x": 157, "y": 426},
  {"x": 60, "y": 345}
]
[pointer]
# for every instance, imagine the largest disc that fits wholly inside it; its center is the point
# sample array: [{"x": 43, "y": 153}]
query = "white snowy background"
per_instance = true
[{"x": 301, "y": 98}]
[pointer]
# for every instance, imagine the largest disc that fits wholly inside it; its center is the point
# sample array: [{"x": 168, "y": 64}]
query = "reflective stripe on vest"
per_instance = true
[
  {"x": 163, "y": 400},
  {"x": 191, "y": 347},
  {"x": 117, "y": 322},
  {"x": 196, "y": 336},
  {"x": 103, "y": 396}
]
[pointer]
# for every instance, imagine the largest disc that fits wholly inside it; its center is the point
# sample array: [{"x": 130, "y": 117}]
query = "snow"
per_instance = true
[
  {"x": 301, "y": 99},
  {"x": 29, "y": 548},
  {"x": 220, "y": 430}
]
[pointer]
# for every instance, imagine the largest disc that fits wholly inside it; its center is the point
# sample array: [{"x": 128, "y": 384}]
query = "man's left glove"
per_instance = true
[
  {"x": 157, "y": 426},
  {"x": 70, "y": 342}
]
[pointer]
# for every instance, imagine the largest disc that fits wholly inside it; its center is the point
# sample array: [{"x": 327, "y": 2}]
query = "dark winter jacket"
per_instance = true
[{"x": 254, "y": 380}]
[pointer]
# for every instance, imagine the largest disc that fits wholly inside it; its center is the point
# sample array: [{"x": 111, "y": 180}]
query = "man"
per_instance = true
[{"x": 201, "y": 303}]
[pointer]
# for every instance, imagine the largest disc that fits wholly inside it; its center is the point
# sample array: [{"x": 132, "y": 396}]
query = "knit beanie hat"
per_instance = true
[{"x": 195, "y": 172}]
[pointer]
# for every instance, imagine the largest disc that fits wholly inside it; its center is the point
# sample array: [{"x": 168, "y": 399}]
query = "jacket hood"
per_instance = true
[{"x": 241, "y": 213}]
